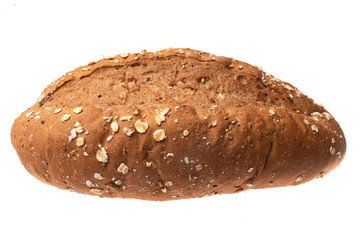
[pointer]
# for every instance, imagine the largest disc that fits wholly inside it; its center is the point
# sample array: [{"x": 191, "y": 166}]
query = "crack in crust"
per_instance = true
[{"x": 133, "y": 60}]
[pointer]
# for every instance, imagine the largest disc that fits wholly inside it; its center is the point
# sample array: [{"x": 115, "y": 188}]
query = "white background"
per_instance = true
[{"x": 312, "y": 44}]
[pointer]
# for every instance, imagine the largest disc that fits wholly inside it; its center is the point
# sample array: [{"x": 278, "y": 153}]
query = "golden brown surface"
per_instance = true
[{"x": 174, "y": 124}]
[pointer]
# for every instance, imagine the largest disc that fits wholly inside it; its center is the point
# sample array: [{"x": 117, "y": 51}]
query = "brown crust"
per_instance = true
[{"x": 174, "y": 124}]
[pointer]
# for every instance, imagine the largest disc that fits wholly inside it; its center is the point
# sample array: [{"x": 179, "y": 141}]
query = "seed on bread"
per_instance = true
[
  {"x": 198, "y": 167},
  {"x": 141, "y": 127},
  {"x": 314, "y": 128},
  {"x": 124, "y": 55},
  {"x": 97, "y": 191},
  {"x": 123, "y": 168},
  {"x": 114, "y": 126},
  {"x": 332, "y": 150},
  {"x": 57, "y": 110},
  {"x": 101, "y": 155},
  {"x": 128, "y": 131},
  {"x": 159, "y": 135},
  {"x": 80, "y": 141},
  {"x": 29, "y": 114},
  {"x": 126, "y": 118},
  {"x": 65, "y": 117},
  {"x": 78, "y": 110},
  {"x": 98, "y": 176},
  {"x": 89, "y": 183}
]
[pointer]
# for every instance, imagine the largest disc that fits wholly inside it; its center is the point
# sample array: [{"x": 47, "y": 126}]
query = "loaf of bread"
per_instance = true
[{"x": 174, "y": 124}]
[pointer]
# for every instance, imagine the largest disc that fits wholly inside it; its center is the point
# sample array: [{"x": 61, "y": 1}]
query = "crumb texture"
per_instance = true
[{"x": 174, "y": 124}]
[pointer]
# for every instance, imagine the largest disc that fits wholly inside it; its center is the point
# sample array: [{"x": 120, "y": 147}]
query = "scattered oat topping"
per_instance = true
[
  {"x": 97, "y": 191},
  {"x": 108, "y": 56},
  {"x": 198, "y": 167},
  {"x": 128, "y": 131},
  {"x": 176, "y": 108},
  {"x": 306, "y": 122},
  {"x": 89, "y": 183},
  {"x": 288, "y": 87},
  {"x": 136, "y": 112},
  {"x": 314, "y": 128},
  {"x": 126, "y": 118},
  {"x": 79, "y": 129},
  {"x": 168, "y": 184},
  {"x": 332, "y": 150},
  {"x": 212, "y": 124},
  {"x": 186, "y": 133},
  {"x": 109, "y": 138},
  {"x": 98, "y": 176},
  {"x": 338, "y": 154},
  {"x": 169, "y": 155},
  {"x": 124, "y": 55},
  {"x": 78, "y": 110},
  {"x": 148, "y": 164},
  {"x": 86, "y": 154},
  {"x": 107, "y": 119},
  {"x": 101, "y": 155},
  {"x": 29, "y": 114},
  {"x": 73, "y": 134},
  {"x": 327, "y": 115},
  {"x": 160, "y": 117},
  {"x": 118, "y": 182},
  {"x": 159, "y": 135},
  {"x": 164, "y": 190},
  {"x": 317, "y": 114},
  {"x": 241, "y": 67},
  {"x": 298, "y": 178},
  {"x": 250, "y": 170},
  {"x": 65, "y": 117},
  {"x": 315, "y": 118},
  {"x": 141, "y": 127},
  {"x": 221, "y": 96},
  {"x": 57, "y": 110},
  {"x": 86, "y": 68},
  {"x": 123, "y": 168},
  {"x": 272, "y": 112},
  {"x": 80, "y": 141},
  {"x": 93, "y": 62},
  {"x": 114, "y": 126},
  {"x": 332, "y": 140},
  {"x": 186, "y": 160}
]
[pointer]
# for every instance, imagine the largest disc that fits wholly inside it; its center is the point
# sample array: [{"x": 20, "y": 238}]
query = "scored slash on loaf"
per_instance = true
[{"x": 174, "y": 124}]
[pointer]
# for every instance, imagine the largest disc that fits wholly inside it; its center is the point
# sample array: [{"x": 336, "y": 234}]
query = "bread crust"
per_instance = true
[{"x": 174, "y": 124}]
